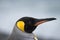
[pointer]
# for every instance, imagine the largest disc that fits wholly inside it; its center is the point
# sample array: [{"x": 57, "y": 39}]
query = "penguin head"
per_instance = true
[{"x": 29, "y": 24}]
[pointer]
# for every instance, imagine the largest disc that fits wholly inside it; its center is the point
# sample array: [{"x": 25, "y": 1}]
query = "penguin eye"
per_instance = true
[{"x": 20, "y": 25}]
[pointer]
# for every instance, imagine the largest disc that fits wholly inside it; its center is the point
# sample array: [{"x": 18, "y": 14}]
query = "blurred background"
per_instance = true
[{"x": 12, "y": 10}]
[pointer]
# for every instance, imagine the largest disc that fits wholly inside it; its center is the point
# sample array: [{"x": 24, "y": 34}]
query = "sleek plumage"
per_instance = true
[{"x": 25, "y": 26}]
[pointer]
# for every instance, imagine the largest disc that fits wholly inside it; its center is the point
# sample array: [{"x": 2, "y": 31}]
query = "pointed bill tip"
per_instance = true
[
  {"x": 49, "y": 19},
  {"x": 40, "y": 21}
]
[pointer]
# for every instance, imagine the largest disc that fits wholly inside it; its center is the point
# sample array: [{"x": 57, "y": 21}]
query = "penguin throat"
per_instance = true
[{"x": 29, "y": 29}]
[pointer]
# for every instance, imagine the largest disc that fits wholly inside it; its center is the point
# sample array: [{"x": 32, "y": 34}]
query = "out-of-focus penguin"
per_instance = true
[{"x": 25, "y": 26}]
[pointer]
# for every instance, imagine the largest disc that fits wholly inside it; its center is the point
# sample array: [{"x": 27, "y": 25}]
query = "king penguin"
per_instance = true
[{"x": 24, "y": 27}]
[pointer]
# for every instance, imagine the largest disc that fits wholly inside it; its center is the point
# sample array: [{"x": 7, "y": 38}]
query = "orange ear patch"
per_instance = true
[{"x": 20, "y": 25}]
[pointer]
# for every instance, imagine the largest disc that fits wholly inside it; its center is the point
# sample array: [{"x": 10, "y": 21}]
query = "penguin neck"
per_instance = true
[{"x": 20, "y": 33}]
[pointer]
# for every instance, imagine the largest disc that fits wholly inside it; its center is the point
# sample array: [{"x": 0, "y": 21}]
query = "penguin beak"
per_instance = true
[{"x": 40, "y": 21}]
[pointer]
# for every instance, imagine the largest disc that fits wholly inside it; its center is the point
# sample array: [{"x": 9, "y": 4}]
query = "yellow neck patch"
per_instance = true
[{"x": 20, "y": 25}]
